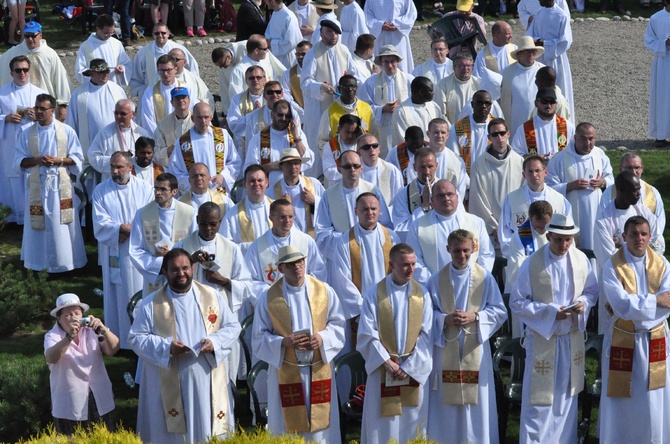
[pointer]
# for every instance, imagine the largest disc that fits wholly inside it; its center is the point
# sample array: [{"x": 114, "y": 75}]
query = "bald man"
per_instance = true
[
  {"x": 199, "y": 91},
  {"x": 209, "y": 145},
  {"x": 495, "y": 56}
]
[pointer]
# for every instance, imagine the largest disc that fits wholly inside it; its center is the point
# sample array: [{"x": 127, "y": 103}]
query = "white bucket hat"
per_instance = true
[
  {"x": 68, "y": 300},
  {"x": 562, "y": 224},
  {"x": 387, "y": 50}
]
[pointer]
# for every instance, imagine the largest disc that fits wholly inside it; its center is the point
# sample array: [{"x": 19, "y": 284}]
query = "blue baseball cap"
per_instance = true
[
  {"x": 179, "y": 91},
  {"x": 32, "y": 28}
]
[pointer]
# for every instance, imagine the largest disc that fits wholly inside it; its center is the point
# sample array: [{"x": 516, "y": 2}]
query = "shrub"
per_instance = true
[
  {"x": 25, "y": 404},
  {"x": 24, "y": 297},
  {"x": 5, "y": 212}
]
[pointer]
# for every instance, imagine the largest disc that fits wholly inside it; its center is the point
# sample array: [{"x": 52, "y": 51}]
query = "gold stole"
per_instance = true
[
  {"x": 219, "y": 151},
  {"x": 246, "y": 105},
  {"x": 427, "y": 234},
  {"x": 623, "y": 331},
  {"x": 290, "y": 381},
  {"x": 173, "y": 405},
  {"x": 544, "y": 350},
  {"x": 381, "y": 97},
  {"x": 492, "y": 62},
  {"x": 64, "y": 183},
  {"x": 265, "y": 148},
  {"x": 460, "y": 376},
  {"x": 246, "y": 225},
  {"x": 463, "y": 133},
  {"x": 159, "y": 101},
  {"x": 393, "y": 399},
  {"x": 355, "y": 255},
  {"x": 296, "y": 90},
  {"x": 649, "y": 197},
  {"x": 339, "y": 213},
  {"x": 324, "y": 69},
  {"x": 531, "y": 139},
  {"x": 187, "y": 198},
  {"x": 309, "y": 186}
]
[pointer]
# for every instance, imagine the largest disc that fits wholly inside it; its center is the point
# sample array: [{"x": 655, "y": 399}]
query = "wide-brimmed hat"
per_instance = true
[
  {"x": 387, "y": 50},
  {"x": 464, "y": 5},
  {"x": 96, "y": 65},
  {"x": 68, "y": 300},
  {"x": 289, "y": 254},
  {"x": 291, "y": 154},
  {"x": 525, "y": 44},
  {"x": 324, "y": 4},
  {"x": 562, "y": 224}
]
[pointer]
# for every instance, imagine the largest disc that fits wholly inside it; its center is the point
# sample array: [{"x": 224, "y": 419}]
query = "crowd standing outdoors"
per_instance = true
[{"x": 350, "y": 201}]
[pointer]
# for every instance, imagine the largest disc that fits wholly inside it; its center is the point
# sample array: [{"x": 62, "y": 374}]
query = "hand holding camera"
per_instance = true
[{"x": 94, "y": 324}]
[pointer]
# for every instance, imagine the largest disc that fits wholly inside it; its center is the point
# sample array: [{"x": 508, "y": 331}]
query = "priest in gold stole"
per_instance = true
[
  {"x": 636, "y": 393},
  {"x": 554, "y": 291},
  {"x": 394, "y": 337},
  {"x": 298, "y": 330},
  {"x": 467, "y": 310}
]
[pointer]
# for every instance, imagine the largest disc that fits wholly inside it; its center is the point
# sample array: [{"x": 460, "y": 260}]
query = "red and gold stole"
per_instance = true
[
  {"x": 623, "y": 331},
  {"x": 394, "y": 398},
  {"x": 355, "y": 254},
  {"x": 170, "y": 387},
  {"x": 403, "y": 160},
  {"x": 34, "y": 185},
  {"x": 265, "y": 148},
  {"x": 531, "y": 139},
  {"x": 219, "y": 151},
  {"x": 290, "y": 382},
  {"x": 460, "y": 375}
]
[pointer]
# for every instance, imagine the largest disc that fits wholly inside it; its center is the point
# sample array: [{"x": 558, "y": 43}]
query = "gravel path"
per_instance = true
[{"x": 610, "y": 71}]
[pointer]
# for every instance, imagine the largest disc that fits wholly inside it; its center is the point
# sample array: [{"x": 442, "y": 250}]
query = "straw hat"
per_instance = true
[
  {"x": 527, "y": 43},
  {"x": 324, "y": 4},
  {"x": 289, "y": 254},
  {"x": 387, "y": 50}
]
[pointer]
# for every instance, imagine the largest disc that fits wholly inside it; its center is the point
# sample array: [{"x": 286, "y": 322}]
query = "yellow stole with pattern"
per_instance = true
[{"x": 355, "y": 255}]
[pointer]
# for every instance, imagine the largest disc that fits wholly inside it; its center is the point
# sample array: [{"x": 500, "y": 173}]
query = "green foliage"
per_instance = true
[
  {"x": 5, "y": 212},
  {"x": 23, "y": 297},
  {"x": 25, "y": 405}
]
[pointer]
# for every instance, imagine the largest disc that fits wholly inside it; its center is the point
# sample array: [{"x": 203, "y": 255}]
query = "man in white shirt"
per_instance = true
[
  {"x": 580, "y": 173},
  {"x": 244, "y": 103},
  {"x": 417, "y": 110},
  {"x": 144, "y": 165},
  {"x": 199, "y": 179},
  {"x": 457, "y": 89},
  {"x": 209, "y": 145},
  {"x": 552, "y": 296},
  {"x": 283, "y": 32},
  {"x": 428, "y": 233},
  {"x": 515, "y": 206},
  {"x": 302, "y": 191},
  {"x": 120, "y": 135},
  {"x": 495, "y": 174},
  {"x": 439, "y": 65},
  {"x": 257, "y": 55},
  {"x": 173, "y": 125},
  {"x": 91, "y": 106},
  {"x": 290, "y": 80},
  {"x": 348, "y": 131},
  {"x": 496, "y": 55},
  {"x": 115, "y": 202},
  {"x": 307, "y": 17},
  {"x": 17, "y": 99},
  {"x": 261, "y": 118},
  {"x": 101, "y": 45},
  {"x": 353, "y": 23},
  {"x": 402, "y": 154},
  {"x": 378, "y": 172},
  {"x": 156, "y": 101},
  {"x": 545, "y": 134},
  {"x": 225, "y": 58},
  {"x": 363, "y": 56},
  {"x": 198, "y": 87},
  {"x": 391, "y": 24}
]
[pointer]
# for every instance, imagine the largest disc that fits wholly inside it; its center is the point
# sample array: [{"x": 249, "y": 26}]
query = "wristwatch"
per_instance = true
[{"x": 476, "y": 317}]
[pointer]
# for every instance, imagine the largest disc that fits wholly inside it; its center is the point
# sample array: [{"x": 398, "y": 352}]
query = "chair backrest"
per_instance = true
[
  {"x": 261, "y": 418},
  {"x": 356, "y": 364},
  {"x": 130, "y": 309},
  {"x": 89, "y": 172},
  {"x": 246, "y": 324},
  {"x": 514, "y": 349},
  {"x": 594, "y": 345}
]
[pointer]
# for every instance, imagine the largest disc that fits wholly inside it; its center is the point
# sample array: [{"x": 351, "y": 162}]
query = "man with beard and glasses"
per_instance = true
[
  {"x": 115, "y": 202},
  {"x": 183, "y": 334}
]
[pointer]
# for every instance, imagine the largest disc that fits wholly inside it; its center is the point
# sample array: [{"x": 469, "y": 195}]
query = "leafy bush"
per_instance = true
[
  {"x": 25, "y": 405},
  {"x": 5, "y": 212},
  {"x": 23, "y": 297}
]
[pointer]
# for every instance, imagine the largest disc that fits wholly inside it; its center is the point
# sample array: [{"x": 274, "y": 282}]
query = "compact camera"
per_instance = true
[{"x": 85, "y": 322}]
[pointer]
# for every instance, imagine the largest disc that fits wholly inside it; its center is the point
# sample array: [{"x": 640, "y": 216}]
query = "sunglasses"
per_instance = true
[
  {"x": 275, "y": 92},
  {"x": 160, "y": 33},
  {"x": 498, "y": 134},
  {"x": 21, "y": 70},
  {"x": 120, "y": 113},
  {"x": 351, "y": 166},
  {"x": 547, "y": 101},
  {"x": 369, "y": 146}
]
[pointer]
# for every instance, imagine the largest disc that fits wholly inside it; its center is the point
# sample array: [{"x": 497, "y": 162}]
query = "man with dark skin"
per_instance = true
[{"x": 468, "y": 136}]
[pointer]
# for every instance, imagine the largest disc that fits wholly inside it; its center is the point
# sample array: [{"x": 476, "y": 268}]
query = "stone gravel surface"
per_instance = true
[{"x": 610, "y": 71}]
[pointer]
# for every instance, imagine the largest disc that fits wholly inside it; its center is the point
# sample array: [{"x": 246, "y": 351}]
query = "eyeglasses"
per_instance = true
[
  {"x": 178, "y": 60},
  {"x": 42, "y": 109},
  {"x": 351, "y": 166},
  {"x": 120, "y": 113},
  {"x": 276, "y": 92},
  {"x": 21, "y": 70},
  {"x": 495, "y": 134},
  {"x": 160, "y": 33},
  {"x": 369, "y": 146},
  {"x": 548, "y": 101},
  {"x": 31, "y": 36},
  {"x": 255, "y": 77},
  {"x": 461, "y": 66},
  {"x": 165, "y": 71}
]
